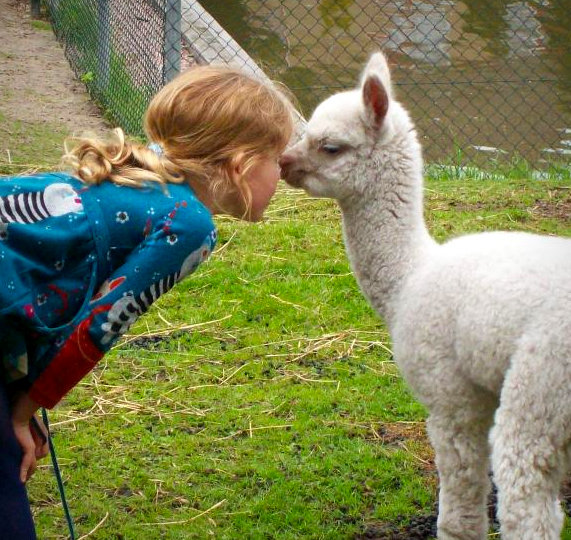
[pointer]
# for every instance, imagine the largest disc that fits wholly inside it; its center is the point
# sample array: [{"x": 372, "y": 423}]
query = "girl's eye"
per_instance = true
[{"x": 331, "y": 149}]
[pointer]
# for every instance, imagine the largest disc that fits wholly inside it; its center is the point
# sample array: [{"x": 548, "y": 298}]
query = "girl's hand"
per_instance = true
[
  {"x": 30, "y": 433},
  {"x": 24, "y": 435},
  {"x": 40, "y": 435}
]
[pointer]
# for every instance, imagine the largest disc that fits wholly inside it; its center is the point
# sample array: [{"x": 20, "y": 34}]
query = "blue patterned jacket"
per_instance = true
[{"x": 79, "y": 264}]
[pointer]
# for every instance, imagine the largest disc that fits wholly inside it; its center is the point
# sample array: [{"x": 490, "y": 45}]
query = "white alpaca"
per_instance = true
[{"x": 481, "y": 325}]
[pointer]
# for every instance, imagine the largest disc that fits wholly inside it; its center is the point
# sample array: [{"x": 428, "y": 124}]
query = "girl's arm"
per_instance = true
[
  {"x": 24, "y": 407},
  {"x": 166, "y": 256}
]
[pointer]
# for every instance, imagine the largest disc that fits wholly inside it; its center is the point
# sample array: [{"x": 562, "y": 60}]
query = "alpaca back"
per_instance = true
[{"x": 478, "y": 296}]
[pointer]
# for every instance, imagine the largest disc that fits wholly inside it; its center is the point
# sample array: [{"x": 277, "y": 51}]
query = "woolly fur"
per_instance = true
[{"x": 480, "y": 325}]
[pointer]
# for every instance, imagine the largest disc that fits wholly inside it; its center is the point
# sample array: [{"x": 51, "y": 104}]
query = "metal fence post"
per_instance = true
[
  {"x": 103, "y": 46},
  {"x": 35, "y": 9},
  {"x": 172, "y": 51}
]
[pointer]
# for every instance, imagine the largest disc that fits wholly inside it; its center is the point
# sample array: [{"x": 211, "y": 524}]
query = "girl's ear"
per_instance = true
[{"x": 237, "y": 166}]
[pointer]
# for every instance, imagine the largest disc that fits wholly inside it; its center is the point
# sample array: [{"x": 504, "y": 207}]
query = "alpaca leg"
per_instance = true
[
  {"x": 530, "y": 446},
  {"x": 462, "y": 458}
]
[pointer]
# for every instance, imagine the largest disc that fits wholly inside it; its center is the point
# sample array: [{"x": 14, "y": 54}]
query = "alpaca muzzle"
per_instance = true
[{"x": 290, "y": 171}]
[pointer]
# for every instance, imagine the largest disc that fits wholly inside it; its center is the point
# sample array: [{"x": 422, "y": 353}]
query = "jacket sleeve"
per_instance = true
[{"x": 165, "y": 257}]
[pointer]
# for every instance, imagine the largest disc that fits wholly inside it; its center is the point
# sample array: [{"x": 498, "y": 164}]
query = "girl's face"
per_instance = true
[{"x": 262, "y": 180}]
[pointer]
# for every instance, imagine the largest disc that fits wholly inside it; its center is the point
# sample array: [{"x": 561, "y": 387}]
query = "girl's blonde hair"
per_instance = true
[{"x": 204, "y": 120}]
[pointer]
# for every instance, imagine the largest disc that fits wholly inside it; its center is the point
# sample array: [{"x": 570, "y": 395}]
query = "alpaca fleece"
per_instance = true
[{"x": 481, "y": 325}]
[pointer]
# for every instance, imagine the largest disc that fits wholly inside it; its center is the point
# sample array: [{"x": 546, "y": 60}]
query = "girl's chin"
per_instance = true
[{"x": 255, "y": 217}]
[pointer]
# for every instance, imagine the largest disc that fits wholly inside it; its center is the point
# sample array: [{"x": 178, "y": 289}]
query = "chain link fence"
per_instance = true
[
  {"x": 119, "y": 49},
  {"x": 486, "y": 80}
]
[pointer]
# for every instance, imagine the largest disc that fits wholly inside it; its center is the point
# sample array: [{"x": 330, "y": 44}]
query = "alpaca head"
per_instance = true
[{"x": 349, "y": 137}]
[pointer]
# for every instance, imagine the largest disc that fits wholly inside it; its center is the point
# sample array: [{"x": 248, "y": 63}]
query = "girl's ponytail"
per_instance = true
[{"x": 118, "y": 160}]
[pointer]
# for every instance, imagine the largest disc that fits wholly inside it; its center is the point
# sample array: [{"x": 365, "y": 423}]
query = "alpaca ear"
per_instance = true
[
  {"x": 376, "y": 100},
  {"x": 378, "y": 65}
]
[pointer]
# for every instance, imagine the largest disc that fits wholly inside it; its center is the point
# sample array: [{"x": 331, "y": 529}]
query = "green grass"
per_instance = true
[
  {"x": 260, "y": 400},
  {"x": 123, "y": 99},
  {"x": 28, "y": 146},
  {"x": 41, "y": 25}
]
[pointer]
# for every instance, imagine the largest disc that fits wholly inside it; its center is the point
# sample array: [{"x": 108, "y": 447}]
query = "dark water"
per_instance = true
[{"x": 483, "y": 79}]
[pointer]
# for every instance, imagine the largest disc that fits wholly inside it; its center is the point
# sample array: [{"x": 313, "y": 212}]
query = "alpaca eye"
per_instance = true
[{"x": 331, "y": 149}]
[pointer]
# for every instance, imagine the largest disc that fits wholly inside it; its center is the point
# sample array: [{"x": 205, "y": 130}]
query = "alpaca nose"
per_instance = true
[
  {"x": 291, "y": 170},
  {"x": 285, "y": 159},
  {"x": 285, "y": 162}
]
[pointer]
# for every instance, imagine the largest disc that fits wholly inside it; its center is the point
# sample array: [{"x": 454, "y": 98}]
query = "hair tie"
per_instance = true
[{"x": 156, "y": 148}]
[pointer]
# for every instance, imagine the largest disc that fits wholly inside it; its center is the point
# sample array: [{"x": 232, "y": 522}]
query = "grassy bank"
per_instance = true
[
  {"x": 259, "y": 400},
  {"x": 28, "y": 146}
]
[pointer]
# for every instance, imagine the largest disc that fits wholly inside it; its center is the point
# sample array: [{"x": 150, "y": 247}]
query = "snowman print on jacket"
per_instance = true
[{"x": 35, "y": 206}]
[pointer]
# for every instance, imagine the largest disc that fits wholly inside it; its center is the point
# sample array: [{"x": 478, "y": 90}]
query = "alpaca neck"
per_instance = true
[{"x": 385, "y": 235}]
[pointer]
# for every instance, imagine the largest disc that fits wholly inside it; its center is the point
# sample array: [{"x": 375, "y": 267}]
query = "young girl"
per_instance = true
[{"x": 82, "y": 255}]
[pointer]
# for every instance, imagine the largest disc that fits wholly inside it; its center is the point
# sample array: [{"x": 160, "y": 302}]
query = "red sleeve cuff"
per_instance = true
[{"x": 77, "y": 357}]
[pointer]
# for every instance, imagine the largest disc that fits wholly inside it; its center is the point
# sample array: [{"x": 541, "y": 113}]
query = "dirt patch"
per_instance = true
[
  {"x": 556, "y": 206},
  {"x": 148, "y": 342},
  {"x": 394, "y": 433},
  {"x": 408, "y": 436},
  {"x": 555, "y": 209},
  {"x": 36, "y": 82},
  {"x": 423, "y": 527},
  {"x": 418, "y": 528}
]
